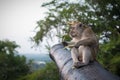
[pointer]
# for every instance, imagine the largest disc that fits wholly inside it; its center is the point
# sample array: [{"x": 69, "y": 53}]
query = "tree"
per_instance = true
[
  {"x": 12, "y": 66},
  {"x": 102, "y": 16},
  {"x": 49, "y": 72}
]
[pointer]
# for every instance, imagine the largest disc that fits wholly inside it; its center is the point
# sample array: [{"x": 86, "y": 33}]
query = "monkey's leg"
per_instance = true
[
  {"x": 74, "y": 55},
  {"x": 86, "y": 56}
]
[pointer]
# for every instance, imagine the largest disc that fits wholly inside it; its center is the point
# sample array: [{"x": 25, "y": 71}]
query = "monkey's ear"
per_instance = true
[
  {"x": 83, "y": 25},
  {"x": 73, "y": 22},
  {"x": 80, "y": 25},
  {"x": 70, "y": 22}
]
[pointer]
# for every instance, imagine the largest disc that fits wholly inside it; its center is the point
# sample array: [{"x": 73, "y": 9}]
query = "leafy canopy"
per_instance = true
[
  {"x": 103, "y": 16},
  {"x": 12, "y": 66}
]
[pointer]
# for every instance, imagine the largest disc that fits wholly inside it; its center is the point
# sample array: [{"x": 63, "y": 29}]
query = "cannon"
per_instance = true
[{"x": 93, "y": 71}]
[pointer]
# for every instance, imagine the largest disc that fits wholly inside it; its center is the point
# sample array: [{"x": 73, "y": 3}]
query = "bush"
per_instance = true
[
  {"x": 49, "y": 72},
  {"x": 12, "y": 66}
]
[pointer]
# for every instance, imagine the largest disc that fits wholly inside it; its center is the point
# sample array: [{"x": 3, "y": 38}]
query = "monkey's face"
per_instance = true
[
  {"x": 73, "y": 31},
  {"x": 76, "y": 30}
]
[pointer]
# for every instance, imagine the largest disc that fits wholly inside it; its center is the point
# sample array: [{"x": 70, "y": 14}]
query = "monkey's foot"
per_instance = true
[{"x": 77, "y": 64}]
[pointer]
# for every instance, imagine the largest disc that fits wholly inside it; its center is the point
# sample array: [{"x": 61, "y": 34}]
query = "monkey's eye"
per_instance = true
[{"x": 72, "y": 28}]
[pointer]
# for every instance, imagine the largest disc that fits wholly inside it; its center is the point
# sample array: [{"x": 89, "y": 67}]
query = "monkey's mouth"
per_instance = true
[{"x": 73, "y": 34}]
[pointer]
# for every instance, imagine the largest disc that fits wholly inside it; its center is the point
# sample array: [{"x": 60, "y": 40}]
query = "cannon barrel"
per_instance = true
[{"x": 93, "y": 71}]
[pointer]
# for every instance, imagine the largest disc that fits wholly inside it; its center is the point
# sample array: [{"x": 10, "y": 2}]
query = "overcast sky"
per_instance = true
[{"x": 17, "y": 21}]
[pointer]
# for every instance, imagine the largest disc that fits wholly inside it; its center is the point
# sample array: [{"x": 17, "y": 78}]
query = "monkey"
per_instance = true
[{"x": 84, "y": 44}]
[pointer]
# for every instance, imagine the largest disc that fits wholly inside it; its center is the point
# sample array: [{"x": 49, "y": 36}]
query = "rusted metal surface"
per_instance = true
[{"x": 93, "y": 71}]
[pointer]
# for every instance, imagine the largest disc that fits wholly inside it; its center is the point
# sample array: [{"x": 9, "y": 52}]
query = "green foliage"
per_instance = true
[
  {"x": 12, "y": 66},
  {"x": 8, "y": 47},
  {"x": 102, "y": 16},
  {"x": 114, "y": 66},
  {"x": 66, "y": 38},
  {"x": 49, "y": 72}
]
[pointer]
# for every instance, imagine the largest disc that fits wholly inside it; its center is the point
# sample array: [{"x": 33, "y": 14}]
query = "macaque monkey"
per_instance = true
[{"x": 84, "y": 44}]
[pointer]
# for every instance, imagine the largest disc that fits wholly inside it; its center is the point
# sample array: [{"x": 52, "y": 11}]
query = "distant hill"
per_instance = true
[
  {"x": 37, "y": 57},
  {"x": 39, "y": 60}
]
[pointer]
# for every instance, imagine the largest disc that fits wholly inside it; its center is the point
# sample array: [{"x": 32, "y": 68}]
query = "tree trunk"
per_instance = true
[{"x": 93, "y": 71}]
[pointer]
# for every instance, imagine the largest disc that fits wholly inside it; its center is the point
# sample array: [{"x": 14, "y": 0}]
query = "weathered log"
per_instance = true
[{"x": 93, "y": 71}]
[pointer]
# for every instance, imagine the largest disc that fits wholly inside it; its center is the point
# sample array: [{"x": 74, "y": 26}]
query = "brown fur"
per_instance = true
[{"x": 83, "y": 35}]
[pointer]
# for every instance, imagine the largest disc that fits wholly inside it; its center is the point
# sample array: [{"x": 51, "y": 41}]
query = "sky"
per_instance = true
[{"x": 18, "y": 20}]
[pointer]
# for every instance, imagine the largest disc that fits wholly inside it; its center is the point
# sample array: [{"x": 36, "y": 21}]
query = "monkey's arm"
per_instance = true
[
  {"x": 69, "y": 44},
  {"x": 87, "y": 42}
]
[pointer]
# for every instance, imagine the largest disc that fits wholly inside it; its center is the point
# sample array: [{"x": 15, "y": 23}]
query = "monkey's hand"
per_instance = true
[
  {"x": 65, "y": 43},
  {"x": 77, "y": 45}
]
